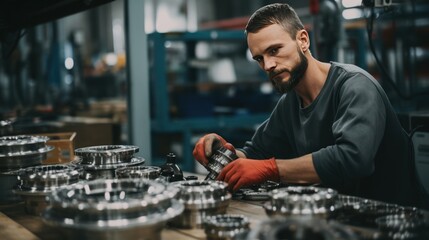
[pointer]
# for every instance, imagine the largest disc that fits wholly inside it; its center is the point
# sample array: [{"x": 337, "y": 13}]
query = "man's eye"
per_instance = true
[
  {"x": 258, "y": 59},
  {"x": 273, "y": 51}
]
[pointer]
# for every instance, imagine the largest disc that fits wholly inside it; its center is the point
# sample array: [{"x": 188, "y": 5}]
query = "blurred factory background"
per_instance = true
[{"x": 160, "y": 73}]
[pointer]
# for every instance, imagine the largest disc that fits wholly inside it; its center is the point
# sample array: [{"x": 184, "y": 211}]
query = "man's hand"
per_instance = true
[
  {"x": 204, "y": 147},
  {"x": 245, "y": 172}
]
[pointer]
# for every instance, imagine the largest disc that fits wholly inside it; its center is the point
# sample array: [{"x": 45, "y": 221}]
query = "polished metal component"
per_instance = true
[
  {"x": 113, "y": 209},
  {"x": 22, "y": 151},
  {"x": 21, "y": 144},
  {"x": 220, "y": 158},
  {"x": 301, "y": 200},
  {"x": 404, "y": 226},
  {"x": 101, "y": 161},
  {"x": 225, "y": 226},
  {"x": 92, "y": 172},
  {"x": 27, "y": 159},
  {"x": 299, "y": 228},
  {"x": 146, "y": 172},
  {"x": 37, "y": 182},
  {"x": 106, "y": 154},
  {"x": 19, "y": 152},
  {"x": 201, "y": 198}
]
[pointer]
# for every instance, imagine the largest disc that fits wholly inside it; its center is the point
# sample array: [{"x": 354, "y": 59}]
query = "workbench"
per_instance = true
[{"x": 15, "y": 224}]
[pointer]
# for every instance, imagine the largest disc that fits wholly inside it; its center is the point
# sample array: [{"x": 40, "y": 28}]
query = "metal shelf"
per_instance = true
[{"x": 162, "y": 121}]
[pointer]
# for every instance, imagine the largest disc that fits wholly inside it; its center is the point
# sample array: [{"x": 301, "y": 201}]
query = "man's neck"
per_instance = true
[{"x": 312, "y": 82}]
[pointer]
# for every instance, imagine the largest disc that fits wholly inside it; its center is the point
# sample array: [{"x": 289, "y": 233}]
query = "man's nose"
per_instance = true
[{"x": 269, "y": 65}]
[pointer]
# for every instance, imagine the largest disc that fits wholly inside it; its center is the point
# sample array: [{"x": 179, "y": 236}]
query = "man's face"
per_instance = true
[{"x": 279, "y": 56}]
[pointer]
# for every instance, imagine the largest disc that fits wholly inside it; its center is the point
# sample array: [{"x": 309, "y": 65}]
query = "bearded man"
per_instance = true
[{"x": 333, "y": 126}]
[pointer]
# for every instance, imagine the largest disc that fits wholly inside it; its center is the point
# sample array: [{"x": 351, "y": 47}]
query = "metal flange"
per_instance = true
[
  {"x": 225, "y": 226},
  {"x": 146, "y": 172},
  {"x": 106, "y": 154},
  {"x": 301, "y": 200},
  {"x": 21, "y": 145},
  {"x": 201, "y": 198},
  {"x": 35, "y": 183},
  {"x": 113, "y": 209}
]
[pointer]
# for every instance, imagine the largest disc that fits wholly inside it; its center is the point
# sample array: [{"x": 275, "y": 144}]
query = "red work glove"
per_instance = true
[
  {"x": 245, "y": 172},
  {"x": 205, "y": 144}
]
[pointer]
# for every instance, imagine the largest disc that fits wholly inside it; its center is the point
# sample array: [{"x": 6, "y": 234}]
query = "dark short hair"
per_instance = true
[{"x": 276, "y": 13}]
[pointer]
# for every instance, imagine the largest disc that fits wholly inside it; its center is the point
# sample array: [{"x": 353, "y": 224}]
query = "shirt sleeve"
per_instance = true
[{"x": 358, "y": 129}]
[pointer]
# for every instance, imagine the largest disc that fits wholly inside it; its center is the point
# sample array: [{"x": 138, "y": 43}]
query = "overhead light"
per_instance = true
[
  {"x": 351, "y": 3},
  {"x": 352, "y": 13},
  {"x": 69, "y": 63}
]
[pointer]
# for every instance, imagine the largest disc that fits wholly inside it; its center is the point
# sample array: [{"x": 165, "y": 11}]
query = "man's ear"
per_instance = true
[{"x": 303, "y": 40}]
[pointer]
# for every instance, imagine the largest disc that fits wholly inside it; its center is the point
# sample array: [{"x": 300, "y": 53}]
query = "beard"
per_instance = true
[{"x": 296, "y": 75}]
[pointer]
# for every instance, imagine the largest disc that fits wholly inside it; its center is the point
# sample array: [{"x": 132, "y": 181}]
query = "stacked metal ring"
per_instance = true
[
  {"x": 113, "y": 209},
  {"x": 101, "y": 161},
  {"x": 202, "y": 198},
  {"x": 37, "y": 182},
  {"x": 22, "y": 151},
  {"x": 301, "y": 200},
  {"x": 299, "y": 227},
  {"x": 220, "y": 158},
  {"x": 225, "y": 226},
  {"x": 146, "y": 172},
  {"x": 17, "y": 152},
  {"x": 404, "y": 226}
]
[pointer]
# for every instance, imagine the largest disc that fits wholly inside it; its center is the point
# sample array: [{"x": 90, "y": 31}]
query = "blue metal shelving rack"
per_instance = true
[{"x": 162, "y": 121}]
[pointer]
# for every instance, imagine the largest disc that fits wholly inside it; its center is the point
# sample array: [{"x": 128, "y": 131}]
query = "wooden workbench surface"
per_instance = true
[{"x": 16, "y": 224}]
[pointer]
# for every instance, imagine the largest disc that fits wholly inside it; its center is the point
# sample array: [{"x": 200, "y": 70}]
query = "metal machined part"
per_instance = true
[
  {"x": 106, "y": 154},
  {"x": 35, "y": 183},
  {"x": 92, "y": 172},
  {"x": 225, "y": 226},
  {"x": 113, "y": 209},
  {"x": 22, "y": 151},
  {"x": 220, "y": 158},
  {"x": 301, "y": 200},
  {"x": 102, "y": 161},
  {"x": 404, "y": 226},
  {"x": 27, "y": 159},
  {"x": 146, "y": 172},
  {"x": 201, "y": 198},
  {"x": 21, "y": 145},
  {"x": 299, "y": 228}
]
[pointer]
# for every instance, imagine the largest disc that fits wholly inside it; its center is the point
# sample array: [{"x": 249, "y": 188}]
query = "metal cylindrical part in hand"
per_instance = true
[
  {"x": 218, "y": 160},
  {"x": 225, "y": 226},
  {"x": 201, "y": 198}
]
